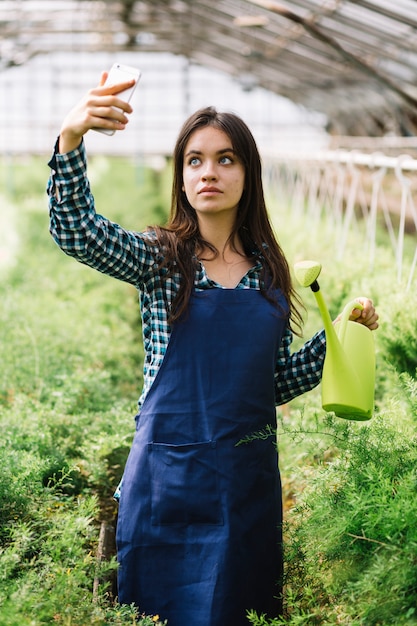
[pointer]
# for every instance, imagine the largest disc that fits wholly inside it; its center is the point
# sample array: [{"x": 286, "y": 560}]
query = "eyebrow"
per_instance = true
[{"x": 222, "y": 151}]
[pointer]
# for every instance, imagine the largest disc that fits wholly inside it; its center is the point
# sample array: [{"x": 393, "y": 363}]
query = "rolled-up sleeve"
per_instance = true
[
  {"x": 301, "y": 371},
  {"x": 84, "y": 234}
]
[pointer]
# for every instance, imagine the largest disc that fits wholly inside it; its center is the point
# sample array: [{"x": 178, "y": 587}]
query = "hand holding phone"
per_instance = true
[{"x": 118, "y": 74}]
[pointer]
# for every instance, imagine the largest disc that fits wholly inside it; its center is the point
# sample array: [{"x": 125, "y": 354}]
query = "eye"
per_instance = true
[
  {"x": 193, "y": 161},
  {"x": 226, "y": 160}
]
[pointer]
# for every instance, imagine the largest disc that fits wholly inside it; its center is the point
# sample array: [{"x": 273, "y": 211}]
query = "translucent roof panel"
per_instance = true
[{"x": 353, "y": 60}]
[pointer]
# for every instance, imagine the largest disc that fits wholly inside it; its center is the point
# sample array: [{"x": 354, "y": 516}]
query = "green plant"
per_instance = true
[{"x": 69, "y": 381}]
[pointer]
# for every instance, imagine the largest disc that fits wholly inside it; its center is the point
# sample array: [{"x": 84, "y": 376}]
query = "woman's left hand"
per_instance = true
[{"x": 367, "y": 316}]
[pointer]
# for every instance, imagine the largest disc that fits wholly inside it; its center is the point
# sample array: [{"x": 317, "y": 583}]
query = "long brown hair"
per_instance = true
[{"x": 181, "y": 237}]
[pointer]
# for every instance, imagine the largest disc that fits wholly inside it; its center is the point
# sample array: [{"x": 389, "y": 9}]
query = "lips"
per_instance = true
[{"x": 209, "y": 190}]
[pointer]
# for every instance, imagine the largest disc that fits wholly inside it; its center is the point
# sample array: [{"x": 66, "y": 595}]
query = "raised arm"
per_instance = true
[{"x": 74, "y": 224}]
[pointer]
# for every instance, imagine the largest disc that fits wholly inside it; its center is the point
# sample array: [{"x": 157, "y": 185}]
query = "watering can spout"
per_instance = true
[{"x": 348, "y": 377}]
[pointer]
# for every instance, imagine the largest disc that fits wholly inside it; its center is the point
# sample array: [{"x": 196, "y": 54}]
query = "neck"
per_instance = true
[{"x": 217, "y": 233}]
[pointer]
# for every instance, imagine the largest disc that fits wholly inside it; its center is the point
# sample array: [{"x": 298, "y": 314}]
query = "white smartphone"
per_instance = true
[{"x": 118, "y": 74}]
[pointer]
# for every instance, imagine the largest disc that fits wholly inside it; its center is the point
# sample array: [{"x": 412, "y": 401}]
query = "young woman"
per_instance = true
[{"x": 199, "y": 525}]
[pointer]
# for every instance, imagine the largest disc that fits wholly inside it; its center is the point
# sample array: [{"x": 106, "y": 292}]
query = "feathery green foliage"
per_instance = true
[{"x": 70, "y": 375}]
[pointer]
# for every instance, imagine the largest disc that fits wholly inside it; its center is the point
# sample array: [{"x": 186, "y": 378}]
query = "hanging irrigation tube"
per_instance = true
[{"x": 351, "y": 189}]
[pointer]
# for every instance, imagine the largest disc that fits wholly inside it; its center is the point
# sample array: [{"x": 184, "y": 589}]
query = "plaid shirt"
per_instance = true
[{"x": 107, "y": 247}]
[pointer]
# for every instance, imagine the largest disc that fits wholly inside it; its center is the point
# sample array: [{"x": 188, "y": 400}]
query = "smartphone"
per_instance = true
[{"x": 118, "y": 74}]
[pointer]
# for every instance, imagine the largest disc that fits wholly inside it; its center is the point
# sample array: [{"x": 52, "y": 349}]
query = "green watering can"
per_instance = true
[{"x": 348, "y": 379}]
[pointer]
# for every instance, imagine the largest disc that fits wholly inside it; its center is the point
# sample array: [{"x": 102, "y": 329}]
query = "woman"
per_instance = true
[{"x": 199, "y": 526}]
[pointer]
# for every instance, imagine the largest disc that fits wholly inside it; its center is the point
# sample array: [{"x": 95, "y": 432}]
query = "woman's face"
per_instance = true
[{"x": 213, "y": 175}]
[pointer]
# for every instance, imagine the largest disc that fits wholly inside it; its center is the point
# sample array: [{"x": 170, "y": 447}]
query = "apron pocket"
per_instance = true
[{"x": 184, "y": 483}]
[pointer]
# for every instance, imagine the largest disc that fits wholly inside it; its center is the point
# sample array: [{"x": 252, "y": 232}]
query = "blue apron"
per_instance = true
[{"x": 199, "y": 532}]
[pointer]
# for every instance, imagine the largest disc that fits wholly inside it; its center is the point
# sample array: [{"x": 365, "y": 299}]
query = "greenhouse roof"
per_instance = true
[{"x": 354, "y": 60}]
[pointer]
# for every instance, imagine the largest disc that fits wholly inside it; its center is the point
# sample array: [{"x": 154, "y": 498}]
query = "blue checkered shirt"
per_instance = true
[{"x": 105, "y": 246}]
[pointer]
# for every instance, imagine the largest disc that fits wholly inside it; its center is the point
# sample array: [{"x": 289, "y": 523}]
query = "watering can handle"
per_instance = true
[{"x": 353, "y": 304}]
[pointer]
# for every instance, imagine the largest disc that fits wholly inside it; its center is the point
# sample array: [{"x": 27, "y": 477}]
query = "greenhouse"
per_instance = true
[{"x": 329, "y": 90}]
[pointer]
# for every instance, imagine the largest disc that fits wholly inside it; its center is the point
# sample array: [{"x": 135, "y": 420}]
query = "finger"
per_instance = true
[
  {"x": 118, "y": 87},
  {"x": 103, "y": 78},
  {"x": 122, "y": 104},
  {"x": 110, "y": 114},
  {"x": 368, "y": 308},
  {"x": 111, "y": 91},
  {"x": 356, "y": 314},
  {"x": 371, "y": 321},
  {"x": 97, "y": 101},
  {"x": 372, "y": 325}
]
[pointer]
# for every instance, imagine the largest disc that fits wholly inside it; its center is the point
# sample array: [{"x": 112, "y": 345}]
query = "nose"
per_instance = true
[{"x": 209, "y": 171}]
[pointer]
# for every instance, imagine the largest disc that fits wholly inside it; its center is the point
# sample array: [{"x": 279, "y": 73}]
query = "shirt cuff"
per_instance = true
[
  {"x": 58, "y": 159},
  {"x": 68, "y": 172}
]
